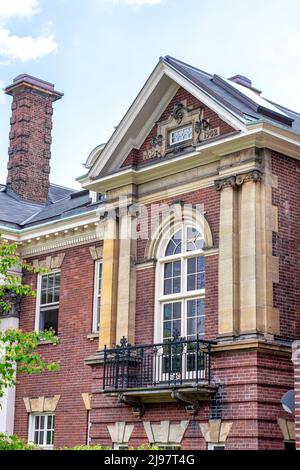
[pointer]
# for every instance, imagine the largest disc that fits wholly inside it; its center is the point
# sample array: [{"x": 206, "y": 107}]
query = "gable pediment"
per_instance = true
[
  {"x": 185, "y": 124},
  {"x": 151, "y": 118}
]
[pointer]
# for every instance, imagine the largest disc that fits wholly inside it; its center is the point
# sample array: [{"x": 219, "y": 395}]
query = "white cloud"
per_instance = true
[
  {"x": 25, "y": 48},
  {"x": 14, "y": 8}
]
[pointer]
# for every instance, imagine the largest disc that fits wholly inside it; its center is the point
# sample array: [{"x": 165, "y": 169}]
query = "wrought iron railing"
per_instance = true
[{"x": 171, "y": 363}]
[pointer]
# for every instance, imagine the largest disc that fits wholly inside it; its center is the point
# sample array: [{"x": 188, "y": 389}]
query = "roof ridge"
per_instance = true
[{"x": 187, "y": 65}]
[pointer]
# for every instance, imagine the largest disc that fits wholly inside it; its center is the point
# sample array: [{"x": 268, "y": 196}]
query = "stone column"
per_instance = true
[
  {"x": 228, "y": 259},
  {"x": 296, "y": 361},
  {"x": 109, "y": 284},
  {"x": 127, "y": 277},
  {"x": 258, "y": 269}
]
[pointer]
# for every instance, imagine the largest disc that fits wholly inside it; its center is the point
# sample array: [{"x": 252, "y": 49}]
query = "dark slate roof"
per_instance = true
[
  {"x": 227, "y": 94},
  {"x": 62, "y": 203}
]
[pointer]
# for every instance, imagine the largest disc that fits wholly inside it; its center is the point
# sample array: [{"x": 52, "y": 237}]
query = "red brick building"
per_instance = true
[{"x": 172, "y": 275}]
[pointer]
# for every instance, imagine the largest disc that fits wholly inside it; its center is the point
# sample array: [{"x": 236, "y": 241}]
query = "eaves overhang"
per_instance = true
[
  {"x": 259, "y": 134},
  {"x": 52, "y": 228}
]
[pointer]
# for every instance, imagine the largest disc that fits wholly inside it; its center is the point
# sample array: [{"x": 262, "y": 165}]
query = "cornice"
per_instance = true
[{"x": 273, "y": 348}]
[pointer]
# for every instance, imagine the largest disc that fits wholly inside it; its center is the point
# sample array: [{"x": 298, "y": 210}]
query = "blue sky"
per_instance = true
[{"x": 100, "y": 52}]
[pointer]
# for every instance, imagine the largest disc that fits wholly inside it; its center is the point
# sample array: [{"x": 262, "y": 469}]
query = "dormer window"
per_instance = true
[{"x": 180, "y": 135}]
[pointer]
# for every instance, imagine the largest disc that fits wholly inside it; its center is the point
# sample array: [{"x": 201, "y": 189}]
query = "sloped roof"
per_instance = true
[
  {"x": 237, "y": 97},
  {"x": 62, "y": 203}
]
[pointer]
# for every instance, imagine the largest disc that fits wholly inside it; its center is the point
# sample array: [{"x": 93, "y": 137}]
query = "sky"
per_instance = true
[{"x": 99, "y": 53}]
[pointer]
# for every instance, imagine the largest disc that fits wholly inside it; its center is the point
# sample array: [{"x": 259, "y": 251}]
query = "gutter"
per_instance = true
[{"x": 3, "y": 228}]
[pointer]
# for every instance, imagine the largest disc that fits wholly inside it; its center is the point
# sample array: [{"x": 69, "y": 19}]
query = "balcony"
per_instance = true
[{"x": 178, "y": 370}]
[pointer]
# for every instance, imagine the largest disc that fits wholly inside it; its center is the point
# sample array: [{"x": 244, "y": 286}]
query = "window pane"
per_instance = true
[
  {"x": 168, "y": 270},
  {"x": 176, "y": 268},
  {"x": 191, "y": 282},
  {"x": 174, "y": 246},
  {"x": 196, "y": 271},
  {"x": 167, "y": 312},
  {"x": 49, "y": 319},
  {"x": 191, "y": 265},
  {"x": 49, "y": 438},
  {"x": 191, "y": 326},
  {"x": 168, "y": 287},
  {"x": 176, "y": 285},
  {"x": 41, "y": 438},
  {"x": 194, "y": 240},
  {"x": 167, "y": 329},
  {"x": 177, "y": 310}
]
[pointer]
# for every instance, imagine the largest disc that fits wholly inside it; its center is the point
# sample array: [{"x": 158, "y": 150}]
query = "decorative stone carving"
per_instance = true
[
  {"x": 229, "y": 182},
  {"x": 287, "y": 428},
  {"x": 51, "y": 262},
  {"x": 255, "y": 176},
  {"x": 120, "y": 432},
  {"x": 41, "y": 404},
  {"x": 215, "y": 430},
  {"x": 237, "y": 180},
  {"x": 165, "y": 432},
  {"x": 87, "y": 400},
  {"x": 96, "y": 252}
]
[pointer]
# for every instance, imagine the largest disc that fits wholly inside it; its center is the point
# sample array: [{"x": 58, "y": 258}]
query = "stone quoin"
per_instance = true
[{"x": 171, "y": 275}]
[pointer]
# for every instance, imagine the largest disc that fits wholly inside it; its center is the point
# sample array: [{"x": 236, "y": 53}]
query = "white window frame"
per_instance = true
[
  {"x": 31, "y": 430},
  {"x": 97, "y": 295},
  {"x": 120, "y": 446},
  {"x": 38, "y": 297},
  {"x": 213, "y": 445},
  {"x": 184, "y": 295}
]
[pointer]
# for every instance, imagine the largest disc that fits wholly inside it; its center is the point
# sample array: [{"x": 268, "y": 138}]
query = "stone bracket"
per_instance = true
[
  {"x": 191, "y": 402},
  {"x": 138, "y": 407}
]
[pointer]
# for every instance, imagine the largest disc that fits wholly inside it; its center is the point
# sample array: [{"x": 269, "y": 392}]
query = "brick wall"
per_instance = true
[
  {"x": 286, "y": 244},
  {"x": 135, "y": 157},
  {"x": 74, "y": 377},
  {"x": 252, "y": 386}
]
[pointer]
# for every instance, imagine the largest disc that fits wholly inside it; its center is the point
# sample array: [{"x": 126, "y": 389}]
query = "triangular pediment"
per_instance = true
[{"x": 153, "y": 115}]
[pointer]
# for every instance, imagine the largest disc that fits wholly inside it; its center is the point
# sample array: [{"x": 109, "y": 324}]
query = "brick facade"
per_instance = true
[
  {"x": 252, "y": 371},
  {"x": 74, "y": 377}
]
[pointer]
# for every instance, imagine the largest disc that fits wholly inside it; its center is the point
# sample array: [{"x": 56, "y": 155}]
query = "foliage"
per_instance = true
[
  {"x": 17, "y": 347},
  {"x": 15, "y": 443},
  {"x": 86, "y": 447}
]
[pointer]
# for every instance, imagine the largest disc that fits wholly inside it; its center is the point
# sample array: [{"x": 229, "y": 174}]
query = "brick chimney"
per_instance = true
[{"x": 30, "y": 137}]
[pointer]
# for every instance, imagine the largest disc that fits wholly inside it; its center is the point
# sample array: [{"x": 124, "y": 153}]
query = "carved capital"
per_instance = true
[
  {"x": 253, "y": 176},
  {"x": 229, "y": 182}
]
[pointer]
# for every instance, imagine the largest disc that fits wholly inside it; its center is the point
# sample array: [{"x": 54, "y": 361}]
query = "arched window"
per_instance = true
[{"x": 181, "y": 285}]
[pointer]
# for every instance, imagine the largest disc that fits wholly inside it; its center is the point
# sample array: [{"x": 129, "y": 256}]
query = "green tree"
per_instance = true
[{"x": 18, "y": 348}]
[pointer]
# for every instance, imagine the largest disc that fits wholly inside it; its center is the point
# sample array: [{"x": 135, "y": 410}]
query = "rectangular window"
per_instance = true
[
  {"x": 172, "y": 278},
  {"x": 41, "y": 430},
  {"x": 212, "y": 446},
  {"x": 97, "y": 295},
  {"x": 195, "y": 273},
  {"x": 48, "y": 301},
  {"x": 181, "y": 135},
  {"x": 169, "y": 446},
  {"x": 120, "y": 446}
]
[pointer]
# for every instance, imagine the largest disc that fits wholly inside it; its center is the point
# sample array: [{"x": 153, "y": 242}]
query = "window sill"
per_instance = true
[
  {"x": 93, "y": 336},
  {"x": 43, "y": 343}
]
